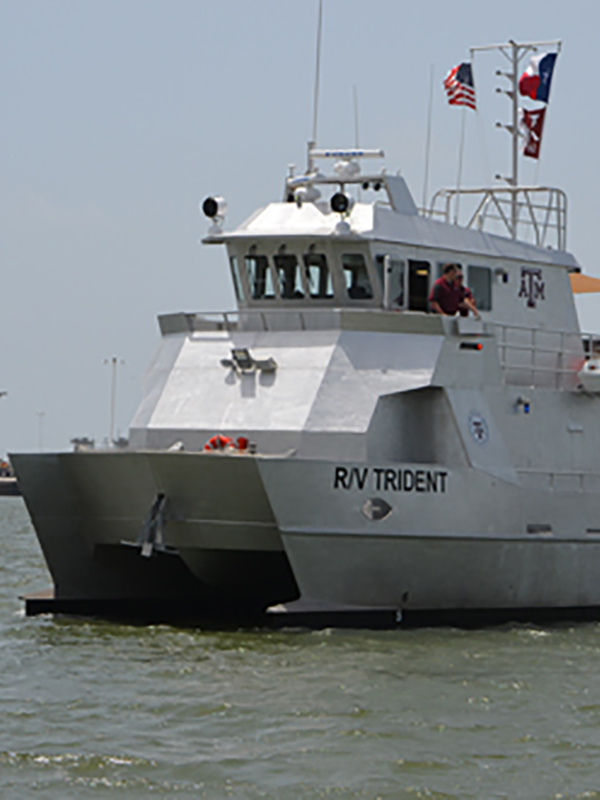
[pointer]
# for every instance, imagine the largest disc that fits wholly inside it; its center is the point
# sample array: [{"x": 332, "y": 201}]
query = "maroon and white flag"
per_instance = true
[{"x": 532, "y": 123}]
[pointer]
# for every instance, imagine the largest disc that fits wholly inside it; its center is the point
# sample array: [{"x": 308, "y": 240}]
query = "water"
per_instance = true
[{"x": 95, "y": 710}]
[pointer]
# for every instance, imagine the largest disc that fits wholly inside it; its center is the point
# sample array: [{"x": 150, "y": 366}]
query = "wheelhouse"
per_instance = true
[{"x": 320, "y": 272}]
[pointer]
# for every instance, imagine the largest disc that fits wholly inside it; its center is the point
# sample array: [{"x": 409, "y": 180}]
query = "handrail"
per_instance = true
[
  {"x": 531, "y": 359},
  {"x": 537, "y": 218},
  {"x": 560, "y": 363},
  {"x": 229, "y": 319}
]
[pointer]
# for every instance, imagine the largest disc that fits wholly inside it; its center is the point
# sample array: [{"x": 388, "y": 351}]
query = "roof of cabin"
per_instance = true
[{"x": 373, "y": 221}]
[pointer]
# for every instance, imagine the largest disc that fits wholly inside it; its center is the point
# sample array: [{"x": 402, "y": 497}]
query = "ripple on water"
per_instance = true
[{"x": 94, "y": 709}]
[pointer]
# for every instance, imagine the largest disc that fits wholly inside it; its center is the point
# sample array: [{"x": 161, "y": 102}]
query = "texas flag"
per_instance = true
[{"x": 535, "y": 81}]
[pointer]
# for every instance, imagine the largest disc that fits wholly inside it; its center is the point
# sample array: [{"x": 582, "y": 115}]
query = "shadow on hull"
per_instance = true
[{"x": 211, "y": 613}]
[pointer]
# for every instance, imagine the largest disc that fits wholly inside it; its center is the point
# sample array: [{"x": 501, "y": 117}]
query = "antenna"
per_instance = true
[
  {"x": 460, "y": 163},
  {"x": 356, "y": 137},
  {"x": 428, "y": 139},
  {"x": 313, "y": 143}
]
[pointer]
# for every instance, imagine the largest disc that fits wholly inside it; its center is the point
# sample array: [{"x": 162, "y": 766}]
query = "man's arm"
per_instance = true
[{"x": 469, "y": 303}]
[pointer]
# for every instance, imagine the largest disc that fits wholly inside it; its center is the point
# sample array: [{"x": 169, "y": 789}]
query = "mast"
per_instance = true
[
  {"x": 514, "y": 53},
  {"x": 515, "y": 133}
]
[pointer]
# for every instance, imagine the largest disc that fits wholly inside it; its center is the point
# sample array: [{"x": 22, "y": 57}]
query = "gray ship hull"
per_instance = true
[
  {"x": 410, "y": 537},
  {"x": 220, "y": 546},
  {"x": 242, "y": 533}
]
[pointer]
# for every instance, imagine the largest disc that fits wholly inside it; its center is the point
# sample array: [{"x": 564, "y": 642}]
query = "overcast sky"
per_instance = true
[{"x": 119, "y": 116}]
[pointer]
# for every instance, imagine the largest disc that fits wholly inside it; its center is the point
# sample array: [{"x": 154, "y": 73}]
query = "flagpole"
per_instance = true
[
  {"x": 514, "y": 52},
  {"x": 428, "y": 139},
  {"x": 460, "y": 162},
  {"x": 515, "y": 135}
]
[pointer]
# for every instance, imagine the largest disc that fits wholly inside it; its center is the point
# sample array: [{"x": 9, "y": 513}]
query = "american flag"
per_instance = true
[{"x": 459, "y": 86}]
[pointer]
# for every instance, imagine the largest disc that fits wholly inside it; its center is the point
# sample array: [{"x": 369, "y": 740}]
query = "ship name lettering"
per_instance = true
[
  {"x": 387, "y": 479},
  {"x": 346, "y": 478}
]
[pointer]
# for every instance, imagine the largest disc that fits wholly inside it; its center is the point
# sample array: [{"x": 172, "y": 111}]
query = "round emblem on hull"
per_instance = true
[{"x": 478, "y": 427}]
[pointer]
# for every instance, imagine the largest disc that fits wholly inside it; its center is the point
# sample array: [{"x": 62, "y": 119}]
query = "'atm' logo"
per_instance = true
[{"x": 532, "y": 285}]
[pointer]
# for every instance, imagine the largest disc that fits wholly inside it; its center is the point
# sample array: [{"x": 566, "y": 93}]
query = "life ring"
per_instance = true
[{"x": 219, "y": 443}]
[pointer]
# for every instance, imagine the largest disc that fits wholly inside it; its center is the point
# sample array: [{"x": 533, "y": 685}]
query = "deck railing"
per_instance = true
[
  {"x": 541, "y": 212},
  {"x": 528, "y": 356},
  {"x": 542, "y": 358}
]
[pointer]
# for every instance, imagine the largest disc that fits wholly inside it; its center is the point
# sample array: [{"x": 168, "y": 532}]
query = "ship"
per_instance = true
[
  {"x": 331, "y": 446},
  {"x": 8, "y": 483}
]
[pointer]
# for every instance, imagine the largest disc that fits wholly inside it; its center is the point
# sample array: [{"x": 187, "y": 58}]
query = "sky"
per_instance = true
[{"x": 120, "y": 116}]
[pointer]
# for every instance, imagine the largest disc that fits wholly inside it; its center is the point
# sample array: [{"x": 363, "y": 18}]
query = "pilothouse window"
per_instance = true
[
  {"x": 480, "y": 283},
  {"x": 237, "y": 281},
  {"x": 358, "y": 284},
  {"x": 259, "y": 277},
  {"x": 318, "y": 277},
  {"x": 288, "y": 276}
]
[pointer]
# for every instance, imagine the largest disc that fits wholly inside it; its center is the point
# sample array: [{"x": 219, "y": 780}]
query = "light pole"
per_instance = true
[
  {"x": 41, "y": 415},
  {"x": 3, "y": 394},
  {"x": 114, "y": 362}
]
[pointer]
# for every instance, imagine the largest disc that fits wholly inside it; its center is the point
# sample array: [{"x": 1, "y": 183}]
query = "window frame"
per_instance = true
[
  {"x": 490, "y": 290},
  {"x": 239, "y": 286},
  {"x": 261, "y": 254},
  {"x": 301, "y": 247},
  {"x": 298, "y": 268},
  {"x": 330, "y": 281},
  {"x": 379, "y": 265},
  {"x": 369, "y": 272}
]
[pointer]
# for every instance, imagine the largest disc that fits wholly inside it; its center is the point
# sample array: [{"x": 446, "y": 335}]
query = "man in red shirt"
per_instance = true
[{"x": 446, "y": 296}]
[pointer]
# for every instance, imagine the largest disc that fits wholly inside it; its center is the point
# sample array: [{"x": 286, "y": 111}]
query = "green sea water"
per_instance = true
[{"x": 90, "y": 709}]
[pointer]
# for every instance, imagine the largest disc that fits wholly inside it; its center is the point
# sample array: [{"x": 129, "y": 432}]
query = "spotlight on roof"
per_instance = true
[
  {"x": 215, "y": 208},
  {"x": 340, "y": 203}
]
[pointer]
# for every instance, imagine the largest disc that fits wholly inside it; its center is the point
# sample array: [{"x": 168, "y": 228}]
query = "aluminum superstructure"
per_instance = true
[{"x": 386, "y": 457}]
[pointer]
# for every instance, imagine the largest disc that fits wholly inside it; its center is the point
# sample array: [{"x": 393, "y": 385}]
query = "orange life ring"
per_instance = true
[{"x": 220, "y": 443}]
